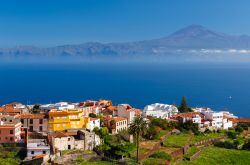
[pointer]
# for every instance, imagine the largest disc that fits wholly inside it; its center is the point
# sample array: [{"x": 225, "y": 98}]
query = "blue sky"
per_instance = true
[{"x": 57, "y": 22}]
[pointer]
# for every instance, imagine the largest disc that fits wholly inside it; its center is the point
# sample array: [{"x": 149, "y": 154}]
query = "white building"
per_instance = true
[
  {"x": 218, "y": 120},
  {"x": 92, "y": 123},
  {"x": 46, "y": 107},
  {"x": 195, "y": 117},
  {"x": 202, "y": 109},
  {"x": 158, "y": 110},
  {"x": 36, "y": 147},
  {"x": 64, "y": 105}
]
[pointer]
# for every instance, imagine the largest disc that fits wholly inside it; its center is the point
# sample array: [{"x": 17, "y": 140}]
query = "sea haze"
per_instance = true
[{"x": 221, "y": 87}]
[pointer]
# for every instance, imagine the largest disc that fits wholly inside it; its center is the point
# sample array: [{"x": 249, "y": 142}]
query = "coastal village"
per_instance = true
[{"x": 68, "y": 133}]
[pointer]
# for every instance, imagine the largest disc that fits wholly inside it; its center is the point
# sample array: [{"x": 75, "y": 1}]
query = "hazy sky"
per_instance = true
[{"x": 56, "y": 22}]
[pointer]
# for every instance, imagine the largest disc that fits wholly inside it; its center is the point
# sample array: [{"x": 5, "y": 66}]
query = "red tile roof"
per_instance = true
[
  {"x": 32, "y": 116},
  {"x": 240, "y": 120},
  {"x": 9, "y": 108},
  {"x": 59, "y": 135}
]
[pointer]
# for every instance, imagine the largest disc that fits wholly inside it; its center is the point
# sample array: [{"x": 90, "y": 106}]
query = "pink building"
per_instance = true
[{"x": 10, "y": 132}]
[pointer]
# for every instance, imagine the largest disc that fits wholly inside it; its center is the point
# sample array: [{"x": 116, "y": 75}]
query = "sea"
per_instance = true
[{"x": 218, "y": 86}]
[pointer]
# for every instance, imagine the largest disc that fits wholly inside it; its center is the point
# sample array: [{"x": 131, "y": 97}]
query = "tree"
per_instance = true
[
  {"x": 184, "y": 106},
  {"x": 92, "y": 115},
  {"x": 152, "y": 131},
  {"x": 138, "y": 128},
  {"x": 239, "y": 129},
  {"x": 232, "y": 135},
  {"x": 35, "y": 109},
  {"x": 102, "y": 132},
  {"x": 190, "y": 126}
]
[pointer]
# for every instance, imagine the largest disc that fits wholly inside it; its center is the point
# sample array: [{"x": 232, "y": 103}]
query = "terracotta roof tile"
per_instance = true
[{"x": 32, "y": 116}]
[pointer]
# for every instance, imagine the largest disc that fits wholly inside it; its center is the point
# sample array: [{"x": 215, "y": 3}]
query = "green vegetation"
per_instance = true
[
  {"x": 246, "y": 146},
  {"x": 115, "y": 147},
  {"x": 206, "y": 136},
  {"x": 191, "y": 151},
  {"x": 9, "y": 158},
  {"x": 184, "y": 106},
  {"x": 189, "y": 126},
  {"x": 162, "y": 123},
  {"x": 138, "y": 128},
  {"x": 36, "y": 108},
  {"x": 92, "y": 115},
  {"x": 79, "y": 159},
  {"x": 160, "y": 134},
  {"x": 221, "y": 156},
  {"x": 97, "y": 163},
  {"x": 154, "y": 161},
  {"x": 177, "y": 140},
  {"x": 161, "y": 155},
  {"x": 157, "y": 128}
]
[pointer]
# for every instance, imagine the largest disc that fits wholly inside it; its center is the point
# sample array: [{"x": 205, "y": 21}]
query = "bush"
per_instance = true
[
  {"x": 207, "y": 131},
  {"x": 151, "y": 132},
  {"x": 231, "y": 135},
  {"x": 161, "y": 155},
  {"x": 246, "y": 146},
  {"x": 226, "y": 144},
  {"x": 243, "y": 125},
  {"x": 189, "y": 126},
  {"x": 239, "y": 129},
  {"x": 162, "y": 123}
]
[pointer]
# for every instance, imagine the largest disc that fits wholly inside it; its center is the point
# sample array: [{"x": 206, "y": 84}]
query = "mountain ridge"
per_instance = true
[{"x": 193, "y": 37}]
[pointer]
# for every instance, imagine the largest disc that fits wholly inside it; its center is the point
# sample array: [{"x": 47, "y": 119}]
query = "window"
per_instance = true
[
  {"x": 41, "y": 128},
  {"x": 68, "y": 139},
  {"x": 31, "y": 121},
  {"x": 41, "y": 121},
  {"x": 11, "y": 138},
  {"x": 10, "y": 120},
  {"x": 69, "y": 147},
  {"x": 51, "y": 117},
  {"x": 31, "y": 128},
  {"x": 44, "y": 152},
  {"x": 32, "y": 152},
  {"x": 0, "y": 131},
  {"x": 22, "y": 121},
  {"x": 11, "y": 131}
]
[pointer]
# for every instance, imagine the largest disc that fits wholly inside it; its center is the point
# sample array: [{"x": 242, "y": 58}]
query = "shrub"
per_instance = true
[
  {"x": 226, "y": 144},
  {"x": 239, "y": 129},
  {"x": 152, "y": 131},
  {"x": 246, "y": 146},
  {"x": 231, "y": 135},
  {"x": 207, "y": 131},
  {"x": 161, "y": 155}
]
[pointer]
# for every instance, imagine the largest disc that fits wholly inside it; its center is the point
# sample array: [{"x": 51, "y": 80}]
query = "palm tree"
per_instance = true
[{"x": 138, "y": 128}]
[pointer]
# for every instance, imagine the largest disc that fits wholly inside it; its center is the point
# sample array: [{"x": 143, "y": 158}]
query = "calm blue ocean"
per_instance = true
[{"x": 221, "y": 87}]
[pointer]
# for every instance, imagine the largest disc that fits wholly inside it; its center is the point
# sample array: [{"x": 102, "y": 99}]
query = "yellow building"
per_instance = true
[{"x": 66, "y": 119}]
